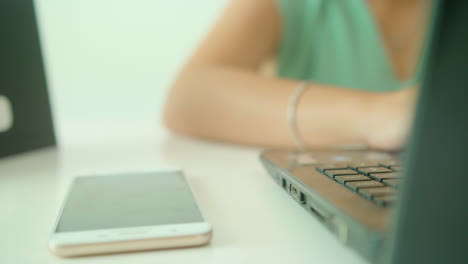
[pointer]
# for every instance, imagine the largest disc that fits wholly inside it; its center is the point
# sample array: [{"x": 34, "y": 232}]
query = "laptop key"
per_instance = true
[
  {"x": 355, "y": 185},
  {"x": 383, "y": 176},
  {"x": 392, "y": 182},
  {"x": 396, "y": 168},
  {"x": 369, "y": 170},
  {"x": 363, "y": 165},
  {"x": 369, "y": 193},
  {"x": 323, "y": 167},
  {"x": 333, "y": 173},
  {"x": 390, "y": 163},
  {"x": 347, "y": 178},
  {"x": 385, "y": 200}
]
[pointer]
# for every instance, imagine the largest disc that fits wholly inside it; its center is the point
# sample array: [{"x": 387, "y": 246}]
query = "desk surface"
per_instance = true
[{"x": 253, "y": 220}]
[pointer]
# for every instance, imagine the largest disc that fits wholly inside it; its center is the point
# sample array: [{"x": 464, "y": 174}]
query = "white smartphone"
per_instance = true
[{"x": 128, "y": 212}]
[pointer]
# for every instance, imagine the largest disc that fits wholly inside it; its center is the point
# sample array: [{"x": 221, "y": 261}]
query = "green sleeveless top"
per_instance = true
[{"x": 335, "y": 42}]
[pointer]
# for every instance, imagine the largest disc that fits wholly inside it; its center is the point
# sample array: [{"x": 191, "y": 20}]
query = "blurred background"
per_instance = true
[{"x": 110, "y": 62}]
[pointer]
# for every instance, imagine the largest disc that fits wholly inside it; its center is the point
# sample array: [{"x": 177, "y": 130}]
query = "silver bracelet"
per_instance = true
[{"x": 292, "y": 109}]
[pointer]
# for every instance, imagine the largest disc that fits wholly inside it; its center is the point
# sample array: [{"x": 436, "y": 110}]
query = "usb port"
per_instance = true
[{"x": 302, "y": 198}]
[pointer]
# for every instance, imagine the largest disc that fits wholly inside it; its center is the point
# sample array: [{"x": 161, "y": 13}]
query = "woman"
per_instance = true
[{"x": 347, "y": 73}]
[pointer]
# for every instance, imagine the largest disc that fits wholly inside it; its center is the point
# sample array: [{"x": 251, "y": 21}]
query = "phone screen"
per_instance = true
[{"x": 128, "y": 200}]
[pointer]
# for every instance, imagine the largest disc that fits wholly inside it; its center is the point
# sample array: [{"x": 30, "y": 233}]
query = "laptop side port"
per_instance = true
[
  {"x": 284, "y": 183},
  {"x": 298, "y": 195},
  {"x": 317, "y": 213},
  {"x": 302, "y": 198},
  {"x": 294, "y": 192}
]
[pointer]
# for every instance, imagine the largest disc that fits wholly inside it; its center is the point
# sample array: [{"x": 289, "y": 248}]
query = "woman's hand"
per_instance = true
[{"x": 392, "y": 119}]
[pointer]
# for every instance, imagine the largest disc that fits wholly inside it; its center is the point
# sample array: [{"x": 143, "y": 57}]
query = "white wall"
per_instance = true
[{"x": 110, "y": 62}]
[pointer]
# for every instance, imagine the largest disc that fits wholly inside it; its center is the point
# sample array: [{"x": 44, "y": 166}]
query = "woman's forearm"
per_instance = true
[{"x": 240, "y": 106}]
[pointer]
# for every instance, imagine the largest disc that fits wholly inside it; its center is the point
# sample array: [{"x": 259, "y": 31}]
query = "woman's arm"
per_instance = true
[{"x": 221, "y": 95}]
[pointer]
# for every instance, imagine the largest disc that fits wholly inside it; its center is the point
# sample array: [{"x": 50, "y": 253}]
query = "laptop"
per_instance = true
[{"x": 409, "y": 207}]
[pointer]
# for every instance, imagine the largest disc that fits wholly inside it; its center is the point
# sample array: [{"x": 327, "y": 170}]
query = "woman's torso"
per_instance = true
[{"x": 349, "y": 43}]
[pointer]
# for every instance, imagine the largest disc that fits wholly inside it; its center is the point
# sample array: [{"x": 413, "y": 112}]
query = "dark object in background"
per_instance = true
[
  {"x": 22, "y": 80},
  {"x": 430, "y": 225}
]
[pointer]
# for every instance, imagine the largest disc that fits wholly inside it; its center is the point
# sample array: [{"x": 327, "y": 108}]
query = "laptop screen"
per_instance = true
[{"x": 432, "y": 216}]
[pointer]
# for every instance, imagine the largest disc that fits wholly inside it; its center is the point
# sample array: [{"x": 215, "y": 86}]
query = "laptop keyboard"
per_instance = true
[{"x": 377, "y": 182}]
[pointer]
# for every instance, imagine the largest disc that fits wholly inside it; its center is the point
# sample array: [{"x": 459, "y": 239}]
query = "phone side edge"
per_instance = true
[{"x": 134, "y": 245}]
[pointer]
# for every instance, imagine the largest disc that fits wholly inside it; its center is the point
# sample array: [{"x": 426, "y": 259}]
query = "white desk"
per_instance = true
[{"x": 254, "y": 221}]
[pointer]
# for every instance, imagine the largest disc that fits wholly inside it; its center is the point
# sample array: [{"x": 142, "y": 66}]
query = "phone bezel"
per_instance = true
[{"x": 176, "y": 235}]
